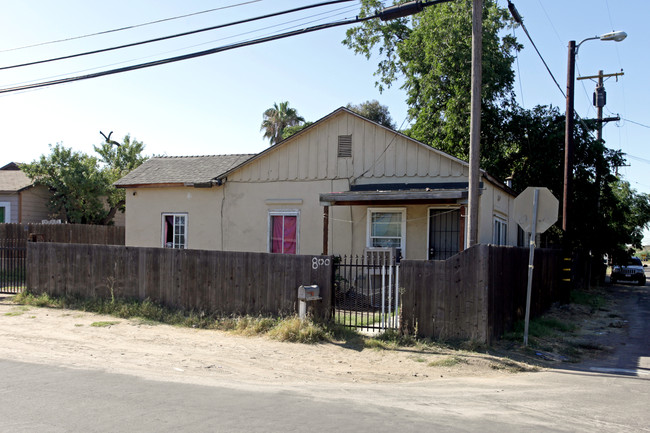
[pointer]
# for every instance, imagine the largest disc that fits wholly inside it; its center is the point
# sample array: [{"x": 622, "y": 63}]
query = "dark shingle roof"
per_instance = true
[
  {"x": 181, "y": 169},
  {"x": 13, "y": 181}
]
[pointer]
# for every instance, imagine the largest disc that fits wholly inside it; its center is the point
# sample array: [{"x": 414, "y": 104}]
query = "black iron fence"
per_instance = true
[
  {"x": 13, "y": 253},
  {"x": 366, "y": 292}
]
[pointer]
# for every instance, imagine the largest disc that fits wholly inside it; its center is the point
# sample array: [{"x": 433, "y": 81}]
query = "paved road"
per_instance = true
[
  {"x": 609, "y": 396},
  {"x": 633, "y": 354},
  {"x": 51, "y": 399}
]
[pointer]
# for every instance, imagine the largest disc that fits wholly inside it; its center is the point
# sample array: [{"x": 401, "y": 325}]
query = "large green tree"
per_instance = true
[
  {"x": 431, "y": 52},
  {"x": 374, "y": 111},
  {"x": 117, "y": 161},
  {"x": 81, "y": 186},
  {"x": 277, "y": 118}
]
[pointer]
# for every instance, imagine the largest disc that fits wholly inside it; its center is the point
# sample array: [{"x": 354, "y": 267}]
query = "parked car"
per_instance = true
[{"x": 629, "y": 270}]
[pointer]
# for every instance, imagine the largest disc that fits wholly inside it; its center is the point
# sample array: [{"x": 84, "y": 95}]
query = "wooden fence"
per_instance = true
[
  {"x": 478, "y": 294},
  {"x": 65, "y": 233},
  {"x": 208, "y": 281}
]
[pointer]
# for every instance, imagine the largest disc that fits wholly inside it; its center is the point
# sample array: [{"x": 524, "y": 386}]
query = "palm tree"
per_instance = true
[{"x": 277, "y": 118}]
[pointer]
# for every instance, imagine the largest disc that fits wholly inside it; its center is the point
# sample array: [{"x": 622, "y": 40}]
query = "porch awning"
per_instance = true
[{"x": 348, "y": 198}]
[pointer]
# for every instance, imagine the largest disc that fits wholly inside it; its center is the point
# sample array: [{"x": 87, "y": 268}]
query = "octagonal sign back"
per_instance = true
[{"x": 547, "y": 209}]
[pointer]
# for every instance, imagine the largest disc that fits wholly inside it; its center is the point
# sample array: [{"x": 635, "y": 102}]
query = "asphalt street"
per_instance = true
[
  {"x": 610, "y": 395},
  {"x": 40, "y": 398}
]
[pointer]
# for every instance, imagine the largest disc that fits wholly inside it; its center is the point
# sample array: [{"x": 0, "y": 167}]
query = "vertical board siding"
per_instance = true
[
  {"x": 191, "y": 280},
  {"x": 478, "y": 294}
]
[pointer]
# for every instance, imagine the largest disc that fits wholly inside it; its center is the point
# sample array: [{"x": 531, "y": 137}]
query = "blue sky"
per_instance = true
[{"x": 214, "y": 104}]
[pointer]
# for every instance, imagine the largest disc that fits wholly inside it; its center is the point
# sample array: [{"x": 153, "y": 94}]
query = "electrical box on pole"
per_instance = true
[{"x": 600, "y": 97}]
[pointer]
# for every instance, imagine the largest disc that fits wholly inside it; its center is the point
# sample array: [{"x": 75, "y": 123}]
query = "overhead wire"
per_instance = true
[
  {"x": 177, "y": 35},
  {"x": 520, "y": 21},
  {"x": 636, "y": 123},
  {"x": 128, "y": 27},
  {"x": 324, "y": 15},
  {"x": 187, "y": 56}
]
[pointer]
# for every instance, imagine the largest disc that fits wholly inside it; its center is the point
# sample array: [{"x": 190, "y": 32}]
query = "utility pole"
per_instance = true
[
  {"x": 599, "y": 101},
  {"x": 475, "y": 122},
  {"x": 568, "y": 136}
]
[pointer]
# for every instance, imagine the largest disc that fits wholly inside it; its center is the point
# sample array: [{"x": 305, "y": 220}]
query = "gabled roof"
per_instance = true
[
  {"x": 11, "y": 166},
  {"x": 328, "y": 117},
  {"x": 181, "y": 170},
  {"x": 13, "y": 181},
  {"x": 206, "y": 170}
]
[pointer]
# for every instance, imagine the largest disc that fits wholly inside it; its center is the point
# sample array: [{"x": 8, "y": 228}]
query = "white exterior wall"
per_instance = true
[
  {"x": 495, "y": 202},
  {"x": 144, "y": 211}
]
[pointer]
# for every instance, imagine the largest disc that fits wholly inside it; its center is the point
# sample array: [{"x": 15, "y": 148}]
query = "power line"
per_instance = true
[
  {"x": 187, "y": 56},
  {"x": 328, "y": 13},
  {"x": 129, "y": 27},
  {"x": 636, "y": 123},
  {"x": 520, "y": 21},
  {"x": 163, "y": 38},
  {"x": 638, "y": 158}
]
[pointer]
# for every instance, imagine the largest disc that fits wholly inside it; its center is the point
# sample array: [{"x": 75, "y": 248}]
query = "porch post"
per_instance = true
[{"x": 326, "y": 224}]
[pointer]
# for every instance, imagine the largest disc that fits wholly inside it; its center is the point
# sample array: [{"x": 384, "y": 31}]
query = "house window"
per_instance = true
[
  {"x": 174, "y": 230},
  {"x": 283, "y": 232},
  {"x": 500, "y": 231},
  {"x": 345, "y": 146},
  {"x": 387, "y": 228},
  {"x": 523, "y": 239},
  {"x": 5, "y": 212}
]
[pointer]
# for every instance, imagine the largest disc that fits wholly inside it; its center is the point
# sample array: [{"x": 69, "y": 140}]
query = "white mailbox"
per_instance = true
[{"x": 309, "y": 293}]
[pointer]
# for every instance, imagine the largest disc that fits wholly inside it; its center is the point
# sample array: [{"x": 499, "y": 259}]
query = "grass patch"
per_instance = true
[
  {"x": 299, "y": 331},
  {"x": 151, "y": 313},
  {"x": 588, "y": 298},
  {"x": 103, "y": 324},
  {"x": 14, "y": 313},
  {"x": 542, "y": 327},
  {"x": 447, "y": 362},
  {"x": 510, "y": 366}
]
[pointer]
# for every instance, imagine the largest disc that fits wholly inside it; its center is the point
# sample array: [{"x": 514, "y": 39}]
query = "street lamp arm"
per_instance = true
[{"x": 583, "y": 41}]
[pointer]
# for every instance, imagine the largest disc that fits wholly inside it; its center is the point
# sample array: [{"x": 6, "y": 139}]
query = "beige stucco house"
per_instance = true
[{"x": 344, "y": 185}]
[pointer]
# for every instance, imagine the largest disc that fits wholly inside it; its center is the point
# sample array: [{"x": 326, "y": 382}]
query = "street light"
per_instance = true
[{"x": 615, "y": 36}]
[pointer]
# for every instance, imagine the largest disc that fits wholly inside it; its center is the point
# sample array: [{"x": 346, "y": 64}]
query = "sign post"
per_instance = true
[{"x": 534, "y": 219}]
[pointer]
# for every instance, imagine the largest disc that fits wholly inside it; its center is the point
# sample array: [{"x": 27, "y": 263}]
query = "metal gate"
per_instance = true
[
  {"x": 13, "y": 253},
  {"x": 366, "y": 290}
]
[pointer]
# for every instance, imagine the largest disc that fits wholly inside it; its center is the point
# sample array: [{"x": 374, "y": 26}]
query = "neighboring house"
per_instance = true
[
  {"x": 20, "y": 200},
  {"x": 23, "y": 202},
  {"x": 344, "y": 185}
]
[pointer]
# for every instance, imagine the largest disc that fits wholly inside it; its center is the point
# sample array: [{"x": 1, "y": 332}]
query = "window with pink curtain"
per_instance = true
[{"x": 284, "y": 230}]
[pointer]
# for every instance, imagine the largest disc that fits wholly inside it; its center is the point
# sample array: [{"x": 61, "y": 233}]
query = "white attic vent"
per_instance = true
[{"x": 345, "y": 146}]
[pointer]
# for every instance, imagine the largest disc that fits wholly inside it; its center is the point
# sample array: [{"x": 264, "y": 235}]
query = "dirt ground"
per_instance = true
[{"x": 68, "y": 338}]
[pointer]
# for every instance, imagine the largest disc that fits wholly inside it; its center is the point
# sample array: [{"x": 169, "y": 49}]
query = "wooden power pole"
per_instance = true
[{"x": 475, "y": 122}]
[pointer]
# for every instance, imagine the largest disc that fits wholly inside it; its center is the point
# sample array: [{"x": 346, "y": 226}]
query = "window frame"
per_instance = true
[
  {"x": 400, "y": 210},
  {"x": 502, "y": 224},
  {"x": 162, "y": 229},
  {"x": 269, "y": 228},
  {"x": 7, "y": 206}
]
